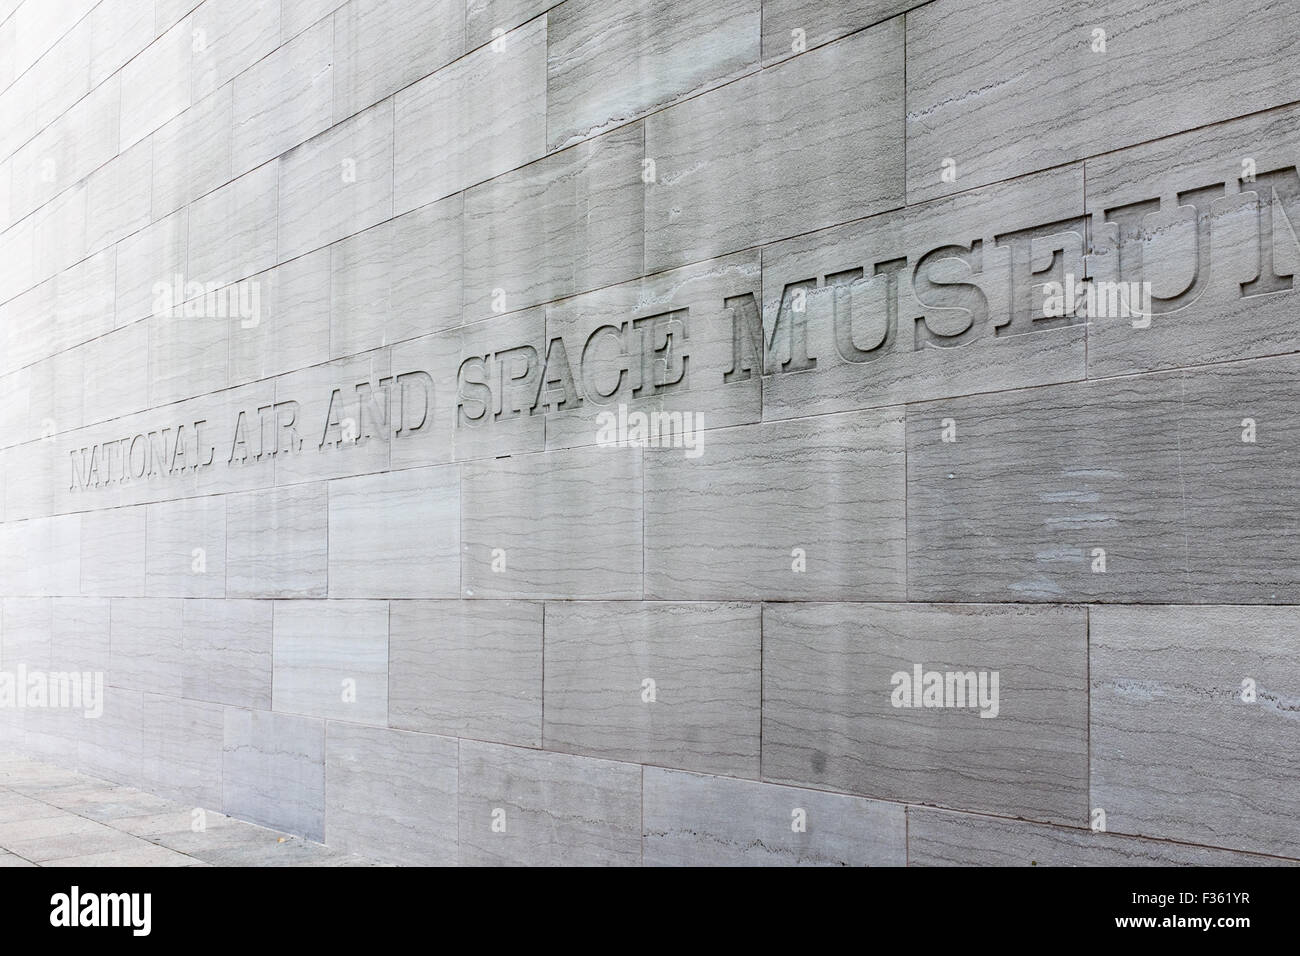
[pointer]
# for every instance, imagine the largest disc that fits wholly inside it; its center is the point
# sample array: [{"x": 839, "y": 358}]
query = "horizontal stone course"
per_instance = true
[
  {"x": 679, "y": 49},
  {"x": 834, "y": 718},
  {"x": 330, "y": 660},
  {"x": 695, "y": 820},
  {"x": 1218, "y": 704},
  {"x": 811, "y": 509},
  {"x": 1001, "y": 103},
  {"x": 514, "y": 432},
  {"x": 1148, "y": 489},
  {"x": 393, "y": 789},
  {"x": 273, "y": 770},
  {"x": 535, "y": 808},
  {"x": 811, "y": 142},
  {"x": 470, "y": 669},
  {"x": 482, "y": 116},
  {"x": 944, "y": 838},
  {"x": 666, "y": 684}
]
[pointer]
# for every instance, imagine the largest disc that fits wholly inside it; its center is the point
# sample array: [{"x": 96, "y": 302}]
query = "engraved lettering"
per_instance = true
[
  {"x": 592, "y": 390},
  {"x": 406, "y": 384},
  {"x": 473, "y": 393},
  {"x": 517, "y": 376},
  {"x": 963, "y": 302},
  {"x": 1280, "y": 190}
]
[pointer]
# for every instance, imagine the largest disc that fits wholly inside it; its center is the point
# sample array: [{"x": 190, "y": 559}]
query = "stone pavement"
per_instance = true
[{"x": 55, "y": 817}]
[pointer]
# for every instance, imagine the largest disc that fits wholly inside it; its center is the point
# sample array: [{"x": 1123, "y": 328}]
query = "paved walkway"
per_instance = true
[{"x": 55, "y": 817}]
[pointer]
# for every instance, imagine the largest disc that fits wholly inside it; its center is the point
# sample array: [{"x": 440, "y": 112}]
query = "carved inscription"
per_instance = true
[
  {"x": 856, "y": 313},
  {"x": 847, "y": 314},
  {"x": 646, "y": 355},
  {"x": 391, "y": 407}
]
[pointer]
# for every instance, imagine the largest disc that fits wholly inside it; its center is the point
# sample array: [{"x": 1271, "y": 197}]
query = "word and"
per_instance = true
[{"x": 400, "y": 402}]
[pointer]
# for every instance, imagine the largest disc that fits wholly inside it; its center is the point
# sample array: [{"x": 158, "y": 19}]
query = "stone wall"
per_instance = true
[{"x": 753, "y": 431}]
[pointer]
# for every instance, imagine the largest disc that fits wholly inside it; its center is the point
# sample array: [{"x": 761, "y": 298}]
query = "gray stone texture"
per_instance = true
[
  {"x": 1154, "y": 470},
  {"x": 182, "y": 749},
  {"x": 677, "y": 50},
  {"x": 655, "y": 683},
  {"x": 331, "y": 660},
  {"x": 820, "y": 22},
  {"x": 277, "y": 543},
  {"x": 273, "y": 770},
  {"x": 814, "y": 141},
  {"x": 696, "y": 820},
  {"x": 531, "y": 235},
  {"x": 328, "y": 329},
  {"x": 1005, "y": 102},
  {"x": 801, "y": 510},
  {"x": 945, "y": 838},
  {"x": 831, "y": 718},
  {"x": 481, "y": 116},
  {"x": 529, "y": 807},
  {"x": 392, "y": 789},
  {"x": 395, "y": 535},
  {"x": 226, "y": 652},
  {"x": 467, "y": 668},
  {"x": 1219, "y": 703},
  {"x": 566, "y": 524}
]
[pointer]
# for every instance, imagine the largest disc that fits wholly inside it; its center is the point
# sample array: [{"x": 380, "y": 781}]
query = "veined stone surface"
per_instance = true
[
  {"x": 750, "y": 432},
  {"x": 676, "y": 50},
  {"x": 273, "y": 767},
  {"x": 532, "y": 807},
  {"x": 696, "y": 820},
  {"x": 330, "y": 660},
  {"x": 813, "y": 141},
  {"x": 1147, "y": 489},
  {"x": 471, "y": 669},
  {"x": 834, "y": 717},
  {"x": 1211, "y": 700},
  {"x": 443, "y": 141},
  {"x": 226, "y": 652},
  {"x": 1003, "y": 102},
  {"x": 945, "y": 838},
  {"x": 655, "y": 683},
  {"x": 723, "y": 525},
  {"x": 391, "y": 788}
]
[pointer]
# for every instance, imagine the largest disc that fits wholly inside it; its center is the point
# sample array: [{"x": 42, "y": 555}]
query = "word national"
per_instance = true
[
  {"x": 399, "y": 402},
  {"x": 923, "y": 688}
]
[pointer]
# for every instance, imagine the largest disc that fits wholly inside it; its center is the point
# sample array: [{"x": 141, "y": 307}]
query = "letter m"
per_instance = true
[
  {"x": 750, "y": 349},
  {"x": 1116, "y": 303},
  {"x": 118, "y": 905}
]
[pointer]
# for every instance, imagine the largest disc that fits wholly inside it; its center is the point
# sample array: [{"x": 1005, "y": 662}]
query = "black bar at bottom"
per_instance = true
[{"x": 952, "y": 908}]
